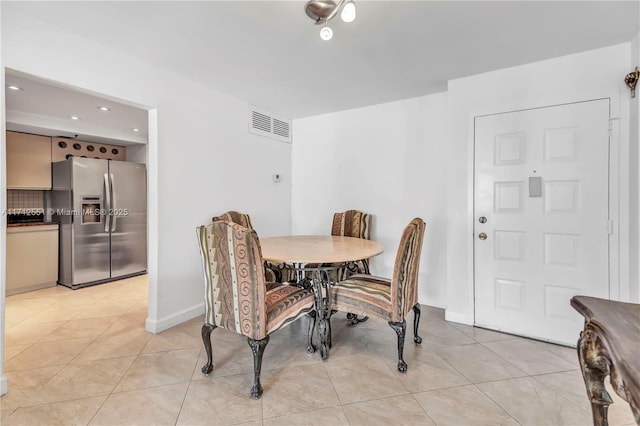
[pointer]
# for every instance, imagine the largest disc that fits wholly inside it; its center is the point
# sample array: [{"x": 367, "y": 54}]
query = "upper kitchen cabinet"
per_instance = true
[{"x": 28, "y": 161}]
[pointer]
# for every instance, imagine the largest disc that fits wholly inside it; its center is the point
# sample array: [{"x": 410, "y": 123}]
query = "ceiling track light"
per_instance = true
[
  {"x": 326, "y": 33},
  {"x": 322, "y": 11}
]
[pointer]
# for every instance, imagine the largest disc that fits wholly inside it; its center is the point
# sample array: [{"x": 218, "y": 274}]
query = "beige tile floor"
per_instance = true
[{"x": 83, "y": 357}]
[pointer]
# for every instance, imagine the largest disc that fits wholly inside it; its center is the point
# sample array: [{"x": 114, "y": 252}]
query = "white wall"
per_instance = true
[
  {"x": 387, "y": 160},
  {"x": 634, "y": 158},
  {"x": 202, "y": 160},
  {"x": 589, "y": 75},
  {"x": 137, "y": 154}
]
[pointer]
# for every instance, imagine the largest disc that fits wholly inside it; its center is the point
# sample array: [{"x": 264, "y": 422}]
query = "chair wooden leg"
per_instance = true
[
  {"x": 311, "y": 348},
  {"x": 329, "y": 343},
  {"x": 257, "y": 347},
  {"x": 206, "y": 339},
  {"x": 400, "y": 328},
  {"x": 354, "y": 320},
  {"x": 416, "y": 323}
]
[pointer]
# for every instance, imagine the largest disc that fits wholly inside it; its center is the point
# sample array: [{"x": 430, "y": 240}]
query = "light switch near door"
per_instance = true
[
  {"x": 535, "y": 186},
  {"x": 276, "y": 178}
]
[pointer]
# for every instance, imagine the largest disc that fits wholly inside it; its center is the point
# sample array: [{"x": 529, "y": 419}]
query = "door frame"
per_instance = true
[
  {"x": 149, "y": 153},
  {"x": 618, "y": 183}
]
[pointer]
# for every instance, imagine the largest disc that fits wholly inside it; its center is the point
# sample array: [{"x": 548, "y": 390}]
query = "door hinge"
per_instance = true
[{"x": 610, "y": 226}]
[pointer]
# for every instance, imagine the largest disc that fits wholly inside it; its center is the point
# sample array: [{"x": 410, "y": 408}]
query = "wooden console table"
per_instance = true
[{"x": 609, "y": 345}]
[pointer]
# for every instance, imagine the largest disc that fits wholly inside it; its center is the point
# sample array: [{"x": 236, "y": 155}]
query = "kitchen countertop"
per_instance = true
[
  {"x": 17, "y": 228},
  {"x": 12, "y": 225}
]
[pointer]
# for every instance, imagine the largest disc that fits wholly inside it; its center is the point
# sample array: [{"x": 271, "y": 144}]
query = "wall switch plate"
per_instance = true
[
  {"x": 276, "y": 178},
  {"x": 535, "y": 186}
]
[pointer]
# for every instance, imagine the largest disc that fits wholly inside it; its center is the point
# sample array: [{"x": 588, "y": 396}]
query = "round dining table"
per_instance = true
[
  {"x": 317, "y": 249},
  {"x": 324, "y": 252}
]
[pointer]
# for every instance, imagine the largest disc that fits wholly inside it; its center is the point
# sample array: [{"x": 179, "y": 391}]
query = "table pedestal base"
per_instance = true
[{"x": 322, "y": 286}]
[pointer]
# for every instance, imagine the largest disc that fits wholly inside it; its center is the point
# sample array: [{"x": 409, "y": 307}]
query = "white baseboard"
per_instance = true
[
  {"x": 173, "y": 320},
  {"x": 3, "y": 385},
  {"x": 458, "y": 317}
]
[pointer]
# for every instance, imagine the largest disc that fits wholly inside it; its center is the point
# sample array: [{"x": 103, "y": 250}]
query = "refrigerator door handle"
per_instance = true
[
  {"x": 113, "y": 209},
  {"x": 107, "y": 205}
]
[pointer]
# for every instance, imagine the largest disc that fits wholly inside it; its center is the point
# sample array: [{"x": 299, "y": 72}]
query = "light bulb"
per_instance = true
[
  {"x": 326, "y": 33},
  {"x": 348, "y": 13}
]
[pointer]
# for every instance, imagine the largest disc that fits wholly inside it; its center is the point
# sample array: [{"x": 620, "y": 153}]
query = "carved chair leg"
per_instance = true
[
  {"x": 400, "y": 328},
  {"x": 257, "y": 347},
  {"x": 311, "y": 348},
  {"x": 595, "y": 367},
  {"x": 206, "y": 339},
  {"x": 416, "y": 323},
  {"x": 329, "y": 343},
  {"x": 364, "y": 268},
  {"x": 354, "y": 320}
]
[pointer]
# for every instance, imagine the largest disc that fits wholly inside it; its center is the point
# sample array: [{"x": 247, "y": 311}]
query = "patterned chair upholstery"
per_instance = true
[
  {"x": 356, "y": 224},
  {"x": 350, "y": 223},
  {"x": 391, "y": 299},
  {"x": 238, "y": 298},
  {"x": 235, "y": 217},
  {"x": 272, "y": 273}
]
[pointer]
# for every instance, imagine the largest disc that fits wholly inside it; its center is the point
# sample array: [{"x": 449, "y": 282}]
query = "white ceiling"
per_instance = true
[
  {"x": 269, "y": 53},
  {"x": 44, "y": 108}
]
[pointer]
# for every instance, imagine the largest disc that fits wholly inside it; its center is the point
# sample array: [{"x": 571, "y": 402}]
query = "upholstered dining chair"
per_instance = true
[
  {"x": 350, "y": 223},
  {"x": 272, "y": 272},
  {"x": 235, "y": 217},
  {"x": 238, "y": 298},
  {"x": 389, "y": 299},
  {"x": 356, "y": 224}
]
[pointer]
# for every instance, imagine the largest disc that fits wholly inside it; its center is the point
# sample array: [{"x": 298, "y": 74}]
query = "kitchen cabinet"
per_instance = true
[
  {"x": 32, "y": 258},
  {"x": 28, "y": 161}
]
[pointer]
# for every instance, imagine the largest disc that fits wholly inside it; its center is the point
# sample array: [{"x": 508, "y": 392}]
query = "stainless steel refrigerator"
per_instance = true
[{"x": 101, "y": 206}]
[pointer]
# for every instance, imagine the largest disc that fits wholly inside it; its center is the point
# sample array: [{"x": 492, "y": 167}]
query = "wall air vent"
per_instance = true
[
  {"x": 266, "y": 124},
  {"x": 260, "y": 121}
]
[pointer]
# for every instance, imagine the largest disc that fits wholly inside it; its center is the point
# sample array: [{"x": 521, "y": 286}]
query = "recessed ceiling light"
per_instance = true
[
  {"x": 14, "y": 88},
  {"x": 135, "y": 129},
  {"x": 103, "y": 108},
  {"x": 74, "y": 117}
]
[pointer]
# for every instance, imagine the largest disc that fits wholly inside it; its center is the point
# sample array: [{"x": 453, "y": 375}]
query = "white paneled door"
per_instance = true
[{"x": 541, "y": 232}]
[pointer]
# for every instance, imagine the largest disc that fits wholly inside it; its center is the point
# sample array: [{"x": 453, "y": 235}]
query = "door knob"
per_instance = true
[{"x": 482, "y": 236}]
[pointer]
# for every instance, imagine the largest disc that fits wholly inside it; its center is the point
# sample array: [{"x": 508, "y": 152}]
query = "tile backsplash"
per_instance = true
[{"x": 19, "y": 199}]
